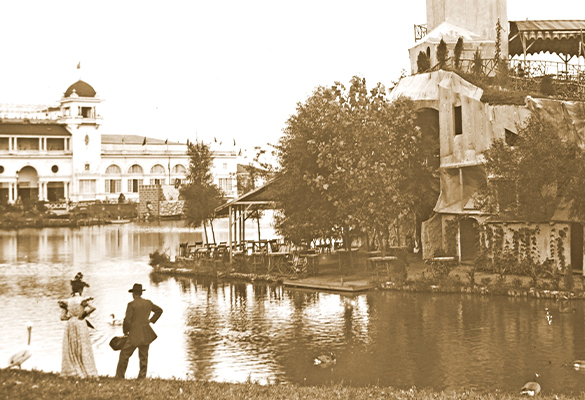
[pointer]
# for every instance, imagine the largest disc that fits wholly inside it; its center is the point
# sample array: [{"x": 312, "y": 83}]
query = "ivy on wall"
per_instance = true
[{"x": 505, "y": 250}]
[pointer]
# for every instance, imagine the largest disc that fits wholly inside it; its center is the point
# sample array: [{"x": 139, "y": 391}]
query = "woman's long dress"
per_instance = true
[{"x": 77, "y": 352}]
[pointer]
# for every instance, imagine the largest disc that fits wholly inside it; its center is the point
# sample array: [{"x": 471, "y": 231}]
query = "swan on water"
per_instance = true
[
  {"x": 115, "y": 321},
  {"x": 325, "y": 359}
]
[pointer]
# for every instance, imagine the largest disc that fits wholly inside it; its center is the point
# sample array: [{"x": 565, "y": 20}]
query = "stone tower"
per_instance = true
[
  {"x": 477, "y": 16},
  {"x": 473, "y": 20}
]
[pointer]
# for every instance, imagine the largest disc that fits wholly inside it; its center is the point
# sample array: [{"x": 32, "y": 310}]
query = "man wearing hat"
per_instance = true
[{"x": 137, "y": 327}]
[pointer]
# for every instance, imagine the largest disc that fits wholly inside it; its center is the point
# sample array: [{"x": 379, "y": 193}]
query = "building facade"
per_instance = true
[{"x": 60, "y": 154}]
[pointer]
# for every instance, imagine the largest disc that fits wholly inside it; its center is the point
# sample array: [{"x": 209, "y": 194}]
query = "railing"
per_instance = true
[
  {"x": 420, "y": 31},
  {"x": 568, "y": 79}
]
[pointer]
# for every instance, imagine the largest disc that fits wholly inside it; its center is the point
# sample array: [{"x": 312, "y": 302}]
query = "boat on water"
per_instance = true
[{"x": 119, "y": 221}]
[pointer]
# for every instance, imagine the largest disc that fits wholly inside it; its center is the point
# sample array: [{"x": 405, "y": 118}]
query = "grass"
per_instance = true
[{"x": 22, "y": 384}]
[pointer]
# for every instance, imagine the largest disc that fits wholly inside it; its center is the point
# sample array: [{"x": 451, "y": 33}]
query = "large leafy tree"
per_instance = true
[
  {"x": 201, "y": 196},
  {"x": 350, "y": 160},
  {"x": 529, "y": 180}
]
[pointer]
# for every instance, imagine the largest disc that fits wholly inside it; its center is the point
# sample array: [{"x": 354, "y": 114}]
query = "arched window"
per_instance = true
[
  {"x": 157, "y": 169},
  {"x": 179, "y": 169},
  {"x": 113, "y": 170},
  {"x": 135, "y": 169}
]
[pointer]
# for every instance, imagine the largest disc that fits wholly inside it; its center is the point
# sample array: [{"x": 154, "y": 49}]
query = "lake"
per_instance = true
[{"x": 239, "y": 331}]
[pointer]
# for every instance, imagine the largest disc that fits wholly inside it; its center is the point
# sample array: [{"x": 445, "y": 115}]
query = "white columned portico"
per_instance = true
[{"x": 11, "y": 192}]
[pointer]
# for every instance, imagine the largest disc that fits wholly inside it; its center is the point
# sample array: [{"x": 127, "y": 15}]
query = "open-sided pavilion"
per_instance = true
[{"x": 244, "y": 207}]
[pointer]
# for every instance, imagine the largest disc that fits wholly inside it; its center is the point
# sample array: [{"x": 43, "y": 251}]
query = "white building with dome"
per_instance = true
[{"x": 60, "y": 154}]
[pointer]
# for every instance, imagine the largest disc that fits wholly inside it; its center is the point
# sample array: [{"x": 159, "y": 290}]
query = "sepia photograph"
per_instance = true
[{"x": 292, "y": 200}]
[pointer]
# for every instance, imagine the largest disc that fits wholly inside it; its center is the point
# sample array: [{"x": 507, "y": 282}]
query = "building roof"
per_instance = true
[
  {"x": 262, "y": 198},
  {"x": 450, "y": 34},
  {"x": 82, "y": 89},
  {"x": 33, "y": 129},
  {"x": 552, "y": 36},
  {"x": 133, "y": 139}
]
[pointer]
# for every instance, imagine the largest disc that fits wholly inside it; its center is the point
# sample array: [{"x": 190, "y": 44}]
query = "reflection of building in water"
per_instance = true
[{"x": 60, "y": 153}]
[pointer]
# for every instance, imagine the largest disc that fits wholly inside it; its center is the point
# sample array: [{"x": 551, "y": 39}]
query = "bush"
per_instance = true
[
  {"x": 546, "y": 86},
  {"x": 568, "y": 280},
  {"x": 423, "y": 63},
  {"x": 158, "y": 258}
]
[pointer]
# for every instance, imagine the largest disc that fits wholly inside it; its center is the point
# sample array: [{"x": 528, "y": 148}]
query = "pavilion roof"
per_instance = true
[{"x": 263, "y": 197}]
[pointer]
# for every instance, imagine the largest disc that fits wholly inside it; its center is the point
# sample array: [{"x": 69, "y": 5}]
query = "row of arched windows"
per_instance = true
[{"x": 137, "y": 169}]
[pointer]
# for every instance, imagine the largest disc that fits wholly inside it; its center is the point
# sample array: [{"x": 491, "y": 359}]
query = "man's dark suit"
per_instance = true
[{"x": 140, "y": 334}]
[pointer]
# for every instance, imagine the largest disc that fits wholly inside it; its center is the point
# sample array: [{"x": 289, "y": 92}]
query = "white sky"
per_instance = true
[{"x": 229, "y": 69}]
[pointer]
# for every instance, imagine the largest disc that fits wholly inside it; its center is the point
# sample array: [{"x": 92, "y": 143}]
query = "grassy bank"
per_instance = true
[{"x": 18, "y": 384}]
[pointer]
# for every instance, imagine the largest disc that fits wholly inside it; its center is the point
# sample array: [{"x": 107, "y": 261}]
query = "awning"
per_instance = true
[{"x": 552, "y": 36}]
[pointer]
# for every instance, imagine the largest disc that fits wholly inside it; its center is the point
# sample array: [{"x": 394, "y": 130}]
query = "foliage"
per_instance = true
[
  {"x": 351, "y": 160},
  {"x": 259, "y": 171},
  {"x": 457, "y": 52},
  {"x": 477, "y": 63},
  {"x": 546, "y": 86},
  {"x": 442, "y": 54},
  {"x": 201, "y": 196},
  {"x": 423, "y": 64},
  {"x": 439, "y": 270},
  {"x": 498, "y": 44},
  {"x": 531, "y": 178},
  {"x": 158, "y": 258}
]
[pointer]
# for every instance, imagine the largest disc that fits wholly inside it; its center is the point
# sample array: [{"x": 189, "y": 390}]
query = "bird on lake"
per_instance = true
[
  {"x": 548, "y": 316},
  {"x": 565, "y": 306},
  {"x": 531, "y": 388},
  {"x": 578, "y": 364},
  {"x": 114, "y": 321},
  {"x": 23, "y": 354},
  {"x": 325, "y": 360}
]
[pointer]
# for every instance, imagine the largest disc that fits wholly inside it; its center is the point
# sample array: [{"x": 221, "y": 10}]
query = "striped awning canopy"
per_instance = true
[{"x": 549, "y": 36}]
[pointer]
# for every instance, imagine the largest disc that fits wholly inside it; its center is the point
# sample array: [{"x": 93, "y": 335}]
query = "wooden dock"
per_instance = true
[{"x": 347, "y": 284}]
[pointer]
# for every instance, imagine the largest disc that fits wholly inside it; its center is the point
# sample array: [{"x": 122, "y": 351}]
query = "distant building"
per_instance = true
[{"x": 60, "y": 154}]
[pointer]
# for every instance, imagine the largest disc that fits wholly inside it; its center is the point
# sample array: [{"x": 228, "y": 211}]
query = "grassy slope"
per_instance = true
[{"x": 39, "y": 385}]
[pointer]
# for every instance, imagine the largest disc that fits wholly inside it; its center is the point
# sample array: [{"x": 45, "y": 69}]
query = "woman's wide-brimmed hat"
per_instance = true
[
  {"x": 137, "y": 288},
  {"x": 77, "y": 284}
]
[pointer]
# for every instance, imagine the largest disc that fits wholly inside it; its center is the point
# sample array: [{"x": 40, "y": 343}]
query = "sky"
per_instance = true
[{"x": 210, "y": 70}]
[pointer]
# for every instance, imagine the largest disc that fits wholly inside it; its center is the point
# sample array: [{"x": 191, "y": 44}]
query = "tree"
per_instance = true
[
  {"x": 457, "y": 52},
  {"x": 350, "y": 160},
  {"x": 477, "y": 63},
  {"x": 201, "y": 196},
  {"x": 442, "y": 54},
  {"x": 530, "y": 179},
  {"x": 500, "y": 63},
  {"x": 423, "y": 63}
]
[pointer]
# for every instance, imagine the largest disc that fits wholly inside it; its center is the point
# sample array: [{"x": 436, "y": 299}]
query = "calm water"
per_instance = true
[{"x": 230, "y": 332}]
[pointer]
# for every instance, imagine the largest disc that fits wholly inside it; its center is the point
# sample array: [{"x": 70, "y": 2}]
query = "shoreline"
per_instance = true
[
  {"x": 417, "y": 280},
  {"x": 25, "y": 384}
]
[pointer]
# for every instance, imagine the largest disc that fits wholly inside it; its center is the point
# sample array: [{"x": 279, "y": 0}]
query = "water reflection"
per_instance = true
[{"x": 236, "y": 331}]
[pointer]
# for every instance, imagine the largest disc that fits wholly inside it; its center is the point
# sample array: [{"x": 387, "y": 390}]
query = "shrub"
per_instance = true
[
  {"x": 457, "y": 52},
  {"x": 546, "y": 86},
  {"x": 158, "y": 258},
  {"x": 442, "y": 54},
  {"x": 423, "y": 63},
  {"x": 568, "y": 280}
]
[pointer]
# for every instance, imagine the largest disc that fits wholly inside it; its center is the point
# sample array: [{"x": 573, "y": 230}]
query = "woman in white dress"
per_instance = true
[{"x": 77, "y": 352}]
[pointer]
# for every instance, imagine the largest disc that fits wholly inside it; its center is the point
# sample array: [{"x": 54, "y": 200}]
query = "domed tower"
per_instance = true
[{"x": 79, "y": 112}]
